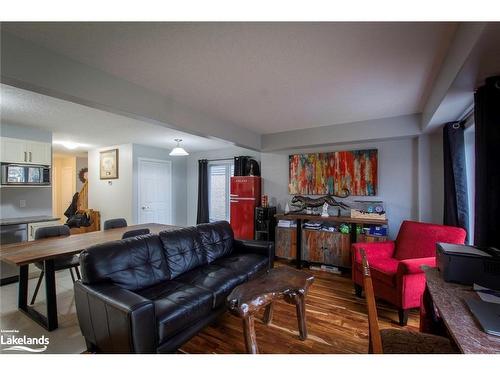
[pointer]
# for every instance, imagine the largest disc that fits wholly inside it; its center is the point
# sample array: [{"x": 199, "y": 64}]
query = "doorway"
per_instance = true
[{"x": 154, "y": 191}]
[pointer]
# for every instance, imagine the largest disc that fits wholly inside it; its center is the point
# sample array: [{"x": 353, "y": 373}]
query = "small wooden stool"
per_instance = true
[{"x": 284, "y": 283}]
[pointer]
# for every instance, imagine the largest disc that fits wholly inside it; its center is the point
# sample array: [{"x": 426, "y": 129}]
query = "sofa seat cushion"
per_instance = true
[
  {"x": 177, "y": 306},
  {"x": 248, "y": 264},
  {"x": 382, "y": 269},
  {"x": 218, "y": 280}
]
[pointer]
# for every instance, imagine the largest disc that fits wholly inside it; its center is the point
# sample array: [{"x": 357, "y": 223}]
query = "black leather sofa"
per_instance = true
[{"x": 152, "y": 293}]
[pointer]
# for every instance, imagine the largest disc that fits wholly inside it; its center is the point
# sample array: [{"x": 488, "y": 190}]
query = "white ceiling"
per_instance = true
[
  {"x": 267, "y": 77},
  {"x": 88, "y": 126}
]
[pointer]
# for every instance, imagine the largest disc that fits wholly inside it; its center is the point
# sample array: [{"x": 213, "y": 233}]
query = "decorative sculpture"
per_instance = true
[{"x": 302, "y": 202}]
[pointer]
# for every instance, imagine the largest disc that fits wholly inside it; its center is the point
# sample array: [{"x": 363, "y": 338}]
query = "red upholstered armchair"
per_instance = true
[{"x": 395, "y": 266}]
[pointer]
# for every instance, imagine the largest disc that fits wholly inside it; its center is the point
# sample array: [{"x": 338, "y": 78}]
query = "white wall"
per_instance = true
[
  {"x": 38, "y": 199},
  {"x": 179, "y": 188},
  {"x": 397, "y": 177},
  {"x": 192, "y": 174},
  {"x": 112, "y": 200}
]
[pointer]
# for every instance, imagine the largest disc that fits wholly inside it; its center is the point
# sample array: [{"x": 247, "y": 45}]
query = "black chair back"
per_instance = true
[
  {"x": 53, "y": 231},
  {"x": 135, "y": 233},
  {"x": 115, "y": 223}
]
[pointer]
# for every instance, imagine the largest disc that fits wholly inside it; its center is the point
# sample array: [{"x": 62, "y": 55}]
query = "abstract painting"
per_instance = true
[{"x": 332, "y": 172}]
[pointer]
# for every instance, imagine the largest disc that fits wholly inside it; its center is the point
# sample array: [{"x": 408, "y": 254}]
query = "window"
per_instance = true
[{"x": 219, "y": 183}]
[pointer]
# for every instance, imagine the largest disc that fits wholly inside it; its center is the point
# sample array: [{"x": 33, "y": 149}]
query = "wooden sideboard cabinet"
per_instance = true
[
  {"x": 286, "y": 243},
  {"x": 326, "y": 247}
]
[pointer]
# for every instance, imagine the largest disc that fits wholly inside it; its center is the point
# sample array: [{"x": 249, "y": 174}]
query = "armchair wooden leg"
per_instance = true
[
  {"x": 403, "y": 317},
  {"x": 358, "y": 290}
]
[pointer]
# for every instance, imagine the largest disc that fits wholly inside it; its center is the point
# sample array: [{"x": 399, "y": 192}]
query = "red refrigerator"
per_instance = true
[{"x": 245, "y": 196}]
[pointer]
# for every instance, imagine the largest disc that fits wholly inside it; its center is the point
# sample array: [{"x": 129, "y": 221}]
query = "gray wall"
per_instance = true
[
  {"x": 397, "y": 175},
  {"x": 431, "y": 178},
  {"x": 192, "y": 174},
  {"x": 179, "y": 196},
  {"x": 38, "y": 199}
]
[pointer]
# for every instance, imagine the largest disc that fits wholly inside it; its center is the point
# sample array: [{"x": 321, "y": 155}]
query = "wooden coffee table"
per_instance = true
[{"x": 284, "y": 283}]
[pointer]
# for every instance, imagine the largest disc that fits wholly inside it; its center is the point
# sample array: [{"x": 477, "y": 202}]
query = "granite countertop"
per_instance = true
[
  {"x": 27, "y": 219},
  {"x": 449, "y": 299}
]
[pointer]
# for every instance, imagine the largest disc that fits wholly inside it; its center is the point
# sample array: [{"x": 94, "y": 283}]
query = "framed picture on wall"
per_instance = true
[{"x": 108, "y": 164}]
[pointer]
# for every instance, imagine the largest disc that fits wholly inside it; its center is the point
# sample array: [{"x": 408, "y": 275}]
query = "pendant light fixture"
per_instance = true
[{"x": 178, "y": 150}]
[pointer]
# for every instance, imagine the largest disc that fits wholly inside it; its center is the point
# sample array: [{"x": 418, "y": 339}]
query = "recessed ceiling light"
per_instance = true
[{"x": 178, "y": 150}]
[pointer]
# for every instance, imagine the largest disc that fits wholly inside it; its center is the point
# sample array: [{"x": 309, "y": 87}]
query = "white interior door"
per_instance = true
[{"x": 155, "y": 191}]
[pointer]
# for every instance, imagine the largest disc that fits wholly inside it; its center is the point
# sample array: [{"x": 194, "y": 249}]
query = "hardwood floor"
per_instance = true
[{"x": 336, "y": 319}]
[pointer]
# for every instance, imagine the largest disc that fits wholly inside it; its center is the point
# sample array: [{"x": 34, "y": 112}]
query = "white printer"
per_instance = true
[{"x": 468, "y": 264}]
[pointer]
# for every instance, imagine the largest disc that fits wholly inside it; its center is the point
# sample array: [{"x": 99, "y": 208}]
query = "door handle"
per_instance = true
[
  {"x": 143, "y": 207},
  {"x": 25, "y": 156},
  {"x": 30, "y": 156}
]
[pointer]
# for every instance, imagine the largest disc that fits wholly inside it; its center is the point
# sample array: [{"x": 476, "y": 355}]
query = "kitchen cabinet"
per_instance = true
[
  {"x": 25, "y": 151},
  {"x": 32, "y": 227}
]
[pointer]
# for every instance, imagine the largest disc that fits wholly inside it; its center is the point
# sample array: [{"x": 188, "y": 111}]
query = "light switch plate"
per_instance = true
[{"x": 22, "y": 203}]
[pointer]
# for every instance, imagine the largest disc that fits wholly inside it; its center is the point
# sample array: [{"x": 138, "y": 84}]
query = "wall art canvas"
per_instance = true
[
  {"x": 108, "y": 165},
  {"x": 332, "y": 172}
]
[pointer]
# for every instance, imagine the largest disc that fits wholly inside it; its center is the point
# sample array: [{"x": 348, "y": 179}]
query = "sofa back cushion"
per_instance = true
[
  {"x": 133, "y": 263},
  {"x": 183, "y": 250},
  {"x": 217, "y": 239},
  {"x": 418, "y": 240}
]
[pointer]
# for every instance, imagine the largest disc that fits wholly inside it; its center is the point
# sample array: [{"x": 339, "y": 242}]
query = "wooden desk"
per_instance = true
[
  {"x": 46, "y": 250},
  {"x": 449, "y": 299},
  {"x": 300, "y": 218}
]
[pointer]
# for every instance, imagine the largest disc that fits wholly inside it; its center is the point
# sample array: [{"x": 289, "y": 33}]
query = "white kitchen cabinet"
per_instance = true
[
  {"x": 13, "y": 150},
  {"x": 39, "y": 153},
  {"x": 25, "y": 151},
  {"x": 32, "y": 227}
]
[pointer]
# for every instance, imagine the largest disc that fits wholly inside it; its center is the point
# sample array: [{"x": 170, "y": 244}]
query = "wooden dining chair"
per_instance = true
[{"x": 397, "y": 341}]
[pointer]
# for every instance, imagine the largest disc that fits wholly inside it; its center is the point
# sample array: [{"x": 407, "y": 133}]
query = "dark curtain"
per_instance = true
[
  {"x": 202, "y": 216},
  {"x": 487, "y": 145},
  {"x": 456, "y": 204}
]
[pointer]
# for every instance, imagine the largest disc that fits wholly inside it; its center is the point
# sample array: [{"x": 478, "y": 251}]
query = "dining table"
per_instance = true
[{"x": 46, "y": 251}]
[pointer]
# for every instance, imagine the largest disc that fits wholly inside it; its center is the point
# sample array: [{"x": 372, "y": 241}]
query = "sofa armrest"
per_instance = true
[
  {"x": 265, "y": 248},
  {"x": 373, "y": 250},
  {"x": 114, "y": 319},
  {"x": 412, "y": 266}
]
